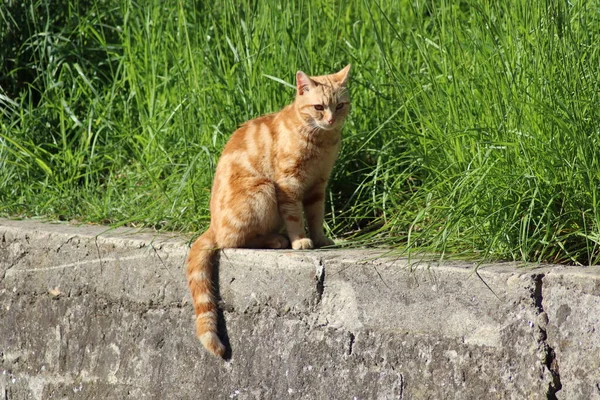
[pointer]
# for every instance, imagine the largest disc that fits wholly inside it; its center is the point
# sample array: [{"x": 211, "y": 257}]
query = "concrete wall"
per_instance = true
[{"x": 90, "y": 313}]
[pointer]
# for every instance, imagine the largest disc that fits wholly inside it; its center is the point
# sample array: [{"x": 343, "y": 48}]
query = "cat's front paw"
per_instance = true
[
  {"x": 323, "y": 241},
  {"x": 302, "y": 244}
]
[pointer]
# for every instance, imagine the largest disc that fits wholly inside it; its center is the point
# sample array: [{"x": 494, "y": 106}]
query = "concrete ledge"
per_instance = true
[{"x": 90, "y": 313}]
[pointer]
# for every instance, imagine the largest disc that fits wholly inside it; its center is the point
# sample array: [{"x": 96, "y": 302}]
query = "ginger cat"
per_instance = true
[{"x": 272, "y": 169}]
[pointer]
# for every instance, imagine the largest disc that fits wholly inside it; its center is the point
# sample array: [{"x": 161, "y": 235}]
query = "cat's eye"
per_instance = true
[
  {"x": 319, "y": 107},
  {"x": 339, "y": 106}
]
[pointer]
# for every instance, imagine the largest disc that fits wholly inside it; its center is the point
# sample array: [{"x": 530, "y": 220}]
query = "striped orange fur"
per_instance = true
[{"x": 273, "y": 169}]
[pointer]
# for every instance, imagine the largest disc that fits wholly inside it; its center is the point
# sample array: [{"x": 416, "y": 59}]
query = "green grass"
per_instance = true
[{"x": 474, "y": 129}]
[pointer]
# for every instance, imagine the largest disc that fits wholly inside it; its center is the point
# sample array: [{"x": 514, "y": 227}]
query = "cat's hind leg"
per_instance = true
[
  {"x": 248, "y": 216},
  {"x": 268, "y": 241}
]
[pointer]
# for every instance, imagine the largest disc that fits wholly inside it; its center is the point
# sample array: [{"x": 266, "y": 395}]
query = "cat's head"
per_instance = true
[{"x": 323, "y": 101}]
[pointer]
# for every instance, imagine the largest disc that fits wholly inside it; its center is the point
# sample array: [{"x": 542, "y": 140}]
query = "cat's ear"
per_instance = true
[
  {"x": 303, "y": 83},
  {"x": 342, "y": 76}
]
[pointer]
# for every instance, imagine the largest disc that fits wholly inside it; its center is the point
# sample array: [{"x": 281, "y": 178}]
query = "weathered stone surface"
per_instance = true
[
  {"x": 87, "y": 313},
  {"x": 571, "y": 300}
]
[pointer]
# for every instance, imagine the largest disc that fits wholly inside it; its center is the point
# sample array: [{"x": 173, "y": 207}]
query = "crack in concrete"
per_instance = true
[
  {"x": 401, "y": 386},
  {"x": 103, "y": 301},
  {"x": 549, "y": 355},
  {"x": 13, "y": 264},
  {"x": 99, "y": 255},
  {"x": 84, "y": 262},
  {"x": 352, "y": 338},
  {"x": 320, "y": 278},
  {"x": 69, "y": 239}
]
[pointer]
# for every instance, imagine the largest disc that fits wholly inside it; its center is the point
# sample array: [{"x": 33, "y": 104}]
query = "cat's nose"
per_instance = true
[{"x": 331, "y": 121}]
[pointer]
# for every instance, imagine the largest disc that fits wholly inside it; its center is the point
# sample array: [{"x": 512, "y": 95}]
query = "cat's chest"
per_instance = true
[{"x": 307, "y": 165}]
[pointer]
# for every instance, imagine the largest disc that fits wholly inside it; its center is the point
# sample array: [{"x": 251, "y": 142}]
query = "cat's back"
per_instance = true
[
  {"x": 248, "y": 151},
  {"x": 252, "y": 136}
]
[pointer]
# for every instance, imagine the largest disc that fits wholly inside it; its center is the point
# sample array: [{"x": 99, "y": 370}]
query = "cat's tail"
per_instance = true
[{"x": 200, "y": 274}]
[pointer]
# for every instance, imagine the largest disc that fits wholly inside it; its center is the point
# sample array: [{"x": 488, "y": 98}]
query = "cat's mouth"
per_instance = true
[{"x": 325, "y": 126}]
